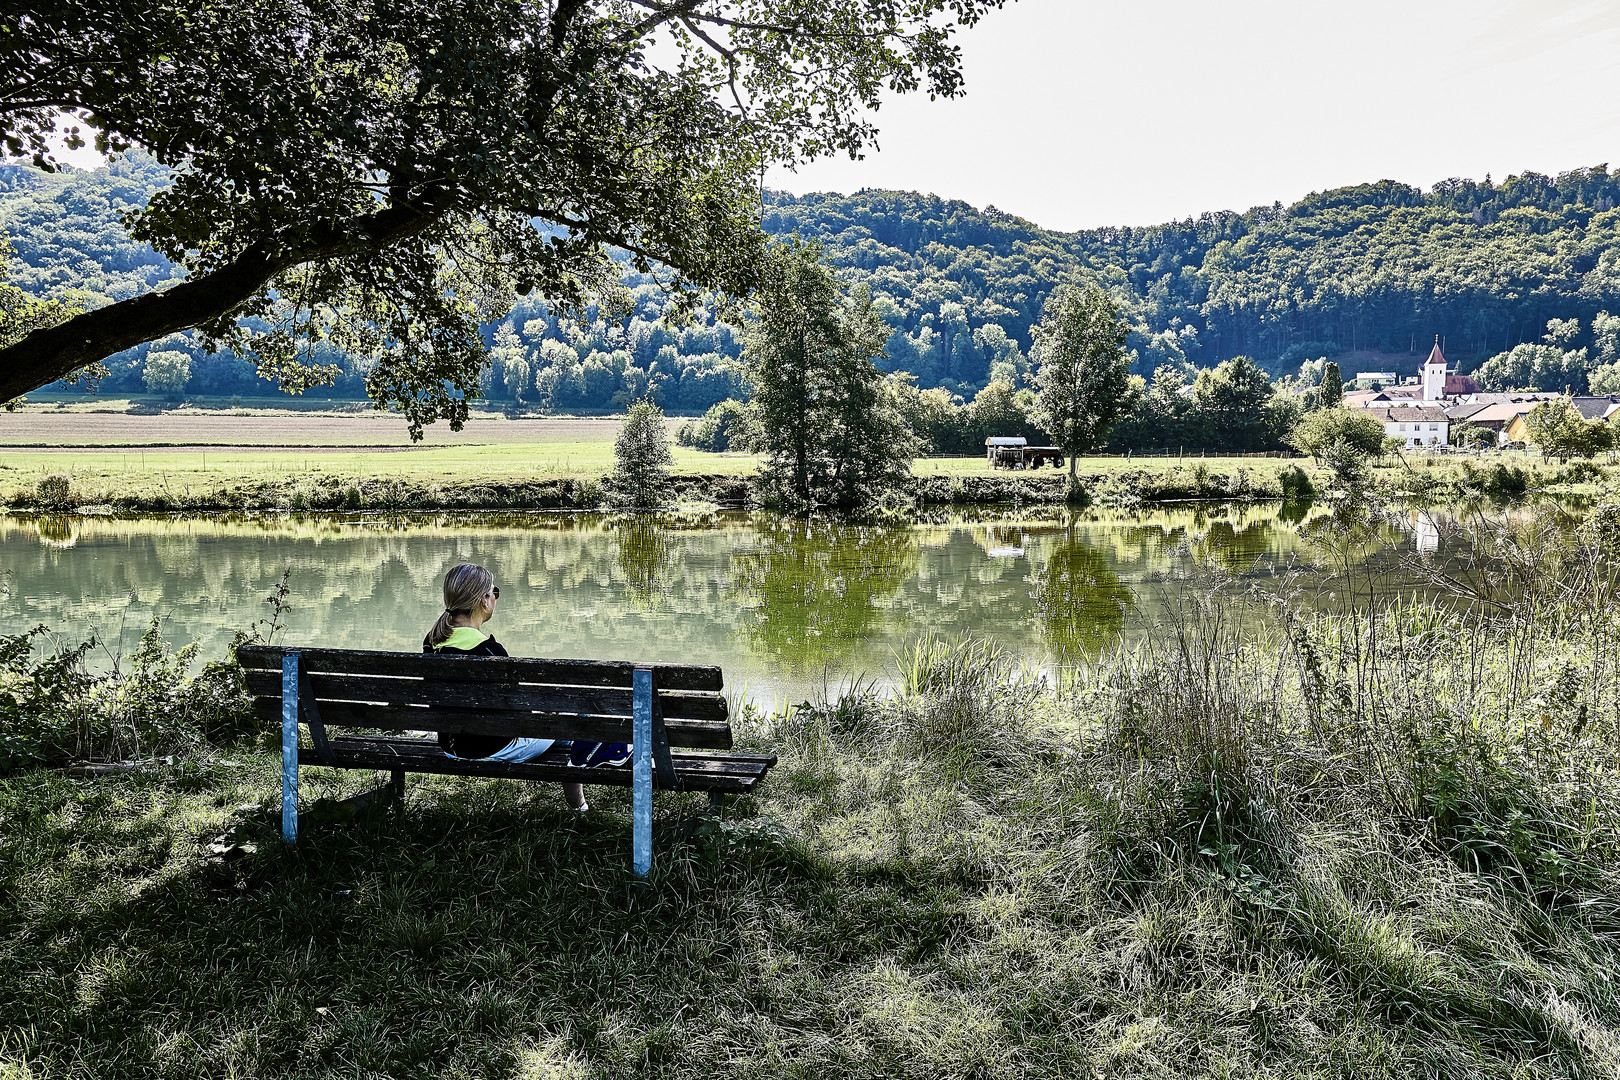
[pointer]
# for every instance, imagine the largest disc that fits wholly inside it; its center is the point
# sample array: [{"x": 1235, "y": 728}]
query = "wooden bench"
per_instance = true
[{"x": 657, "y": 707}]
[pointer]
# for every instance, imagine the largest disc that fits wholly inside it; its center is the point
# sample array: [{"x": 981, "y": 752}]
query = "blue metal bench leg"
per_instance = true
[
  {"x": 289, "y": 748},
  {"x": 641, "y": 775}
]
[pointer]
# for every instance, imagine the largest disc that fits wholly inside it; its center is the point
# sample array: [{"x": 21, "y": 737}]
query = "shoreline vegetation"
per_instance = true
[
  {"x": 1111, "y": 481},
  {"x": 1378, "y": 840}
]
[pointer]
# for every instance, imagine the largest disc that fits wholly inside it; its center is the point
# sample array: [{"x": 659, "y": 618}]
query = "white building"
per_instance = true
[
  {"x": 1414, "y": 425},
  {"x": 1441, "y": 383}
]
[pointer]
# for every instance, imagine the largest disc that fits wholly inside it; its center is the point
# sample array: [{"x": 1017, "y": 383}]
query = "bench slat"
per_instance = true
[
  {"x": 408, "y": 749},
  {"x": 511, "y": 723},
  {"x": 697, "y": 772},
  {"x": 509, "y": 669},
  {"x": 595, "y": 701}
]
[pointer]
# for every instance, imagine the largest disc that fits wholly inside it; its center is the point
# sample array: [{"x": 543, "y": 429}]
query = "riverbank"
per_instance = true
[
  {"x": 133, "y": 482},
  {"x": 212, "y": 461},
  {"x": 1321, "y": 846}
]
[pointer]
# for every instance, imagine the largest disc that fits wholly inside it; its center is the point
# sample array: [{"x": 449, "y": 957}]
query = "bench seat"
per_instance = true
[{"x": 730, "y": 774}]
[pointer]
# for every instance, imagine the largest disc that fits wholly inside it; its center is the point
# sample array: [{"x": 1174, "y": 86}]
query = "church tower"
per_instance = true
[{"x": 1434, "y": 374}]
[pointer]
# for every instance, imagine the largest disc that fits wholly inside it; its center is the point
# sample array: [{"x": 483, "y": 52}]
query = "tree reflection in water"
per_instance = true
[
  {"x": 1081, "y": 603},
  {"x": 645, "y": 556},
  {"x": 816, "y": 586}
]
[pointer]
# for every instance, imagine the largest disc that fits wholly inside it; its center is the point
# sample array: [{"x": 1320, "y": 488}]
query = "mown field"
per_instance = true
[{"x": 190, "y": 449}]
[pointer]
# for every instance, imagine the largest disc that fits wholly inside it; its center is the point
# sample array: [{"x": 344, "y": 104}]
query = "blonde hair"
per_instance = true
[{"x": 464, "y": 586}]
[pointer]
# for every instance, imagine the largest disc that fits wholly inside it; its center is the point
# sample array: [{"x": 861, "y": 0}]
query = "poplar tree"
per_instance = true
[
  {"x": 1083, "y": 377},
  {"x": 825, "y": 424},
  {"x": 1331, "y": 393}
]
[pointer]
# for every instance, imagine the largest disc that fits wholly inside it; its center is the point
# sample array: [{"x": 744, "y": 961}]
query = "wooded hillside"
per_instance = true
[{"x": 1382, "y": 266}]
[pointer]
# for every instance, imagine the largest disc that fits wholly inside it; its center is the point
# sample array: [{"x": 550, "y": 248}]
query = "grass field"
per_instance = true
[
  {"x": 188, "y": 447},
  {"x": 190, "y": 459}
]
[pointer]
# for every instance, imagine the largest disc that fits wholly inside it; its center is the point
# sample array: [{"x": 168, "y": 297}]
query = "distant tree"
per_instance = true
[
  {"x": 828, "y": 430},
  {"x": 869, "y": 448},
  {"x": 1552, "y": 427},
  {"x": 998, "y": 409},
  {"x": 641, "y": 458},
  {"x": 1558, "y": 430},
  {"x": 1471, "y": 436},
  {"x": 167, "y": 372},
  {"x": 1231, "y": 401},
  {"x": 1331, "y": 393},
  {"x": 1082, "y": 369},
  {"x": 1352, "y": 428},
  {"x": 728, "y": 425},
  {"x": 934, "y": 416},
  {"x": 1604, "y": 379},
  {"x": 1549, "y": 365},
  {"x": 510, "y": 359}
]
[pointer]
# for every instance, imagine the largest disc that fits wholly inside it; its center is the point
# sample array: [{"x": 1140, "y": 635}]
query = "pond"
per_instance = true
[{"x": 783, "y": 605}]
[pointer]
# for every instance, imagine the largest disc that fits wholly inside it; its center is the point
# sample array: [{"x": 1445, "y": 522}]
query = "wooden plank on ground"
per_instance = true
[
  {"x": 410, "y": 750},
  {"x": 693, "y": 777}
]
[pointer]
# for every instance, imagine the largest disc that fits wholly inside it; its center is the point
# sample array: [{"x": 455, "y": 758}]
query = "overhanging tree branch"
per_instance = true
[{"x": 56, "y": 352}]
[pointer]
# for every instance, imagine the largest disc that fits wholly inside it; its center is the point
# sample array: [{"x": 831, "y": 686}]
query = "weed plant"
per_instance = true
[{"x": 1377, "y": 839}]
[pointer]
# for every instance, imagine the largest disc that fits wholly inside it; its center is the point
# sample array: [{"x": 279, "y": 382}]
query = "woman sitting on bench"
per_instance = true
[{"x": 470, "y": 594}]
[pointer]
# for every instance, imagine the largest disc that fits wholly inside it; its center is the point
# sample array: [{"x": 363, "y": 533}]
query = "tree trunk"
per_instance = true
[{"x": 55, "y": 352}]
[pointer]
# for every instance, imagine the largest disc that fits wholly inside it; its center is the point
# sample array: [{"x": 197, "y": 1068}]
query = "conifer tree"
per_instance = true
[{"x": 1331, "y": 392}]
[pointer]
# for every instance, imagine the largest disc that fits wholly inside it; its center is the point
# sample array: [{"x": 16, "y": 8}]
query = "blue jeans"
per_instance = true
[{"x": 521, "y": 750}]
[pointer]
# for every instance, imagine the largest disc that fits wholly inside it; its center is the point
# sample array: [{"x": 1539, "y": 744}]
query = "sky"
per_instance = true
[{"x": 1081, "y": 114}]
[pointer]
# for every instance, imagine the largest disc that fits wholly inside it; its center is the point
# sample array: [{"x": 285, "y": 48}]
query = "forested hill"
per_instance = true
[{"x": 1380, "y": 267}]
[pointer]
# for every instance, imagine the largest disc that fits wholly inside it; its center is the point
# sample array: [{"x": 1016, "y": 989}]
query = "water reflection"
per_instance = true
[
  {"x": 774, "y": 601},
  {"x": 818, "y": 590},
  {"x": 645, "y": 551},
  {"x": 1081, "y": 602}
]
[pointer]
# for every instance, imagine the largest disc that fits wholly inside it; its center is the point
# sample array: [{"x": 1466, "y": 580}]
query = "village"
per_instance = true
[{"x": 1421, "y": 411}]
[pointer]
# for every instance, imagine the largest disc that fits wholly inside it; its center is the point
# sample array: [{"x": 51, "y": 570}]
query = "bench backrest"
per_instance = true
[{"x": 490, "y": 695}]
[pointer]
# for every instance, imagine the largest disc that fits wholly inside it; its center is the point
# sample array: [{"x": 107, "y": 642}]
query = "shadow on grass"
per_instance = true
[{"x": 483, "y": 930}]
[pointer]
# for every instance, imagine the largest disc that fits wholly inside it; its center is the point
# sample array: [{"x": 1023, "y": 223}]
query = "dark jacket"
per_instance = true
[{"x": 465, "y": 744}]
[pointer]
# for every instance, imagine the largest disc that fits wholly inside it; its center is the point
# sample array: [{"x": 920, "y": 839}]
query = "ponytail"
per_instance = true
[{"x": 464, "y": 586}]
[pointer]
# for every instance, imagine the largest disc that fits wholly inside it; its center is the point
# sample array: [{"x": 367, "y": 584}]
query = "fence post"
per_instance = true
[{"x": 289, "y": 748}]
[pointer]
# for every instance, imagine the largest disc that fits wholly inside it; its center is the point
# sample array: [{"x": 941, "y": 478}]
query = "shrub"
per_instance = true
[
  {"x": 641, "y": 458},
  {"x": 1326, "y": 427},
  {"x": 53, "y": 708},
  {"x": 728, "y": 425},
  {"x": 1506, "y": 480},
  {"x": 1296, "y": 483},
  {"x": 55, "y": 492}
]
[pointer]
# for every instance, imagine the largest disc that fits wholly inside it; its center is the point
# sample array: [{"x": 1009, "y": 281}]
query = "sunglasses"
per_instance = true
[{"x": 495, "y": 591}]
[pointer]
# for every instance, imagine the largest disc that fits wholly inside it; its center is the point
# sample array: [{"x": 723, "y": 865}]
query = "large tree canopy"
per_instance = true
[{"x": 385, "y": 172}]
